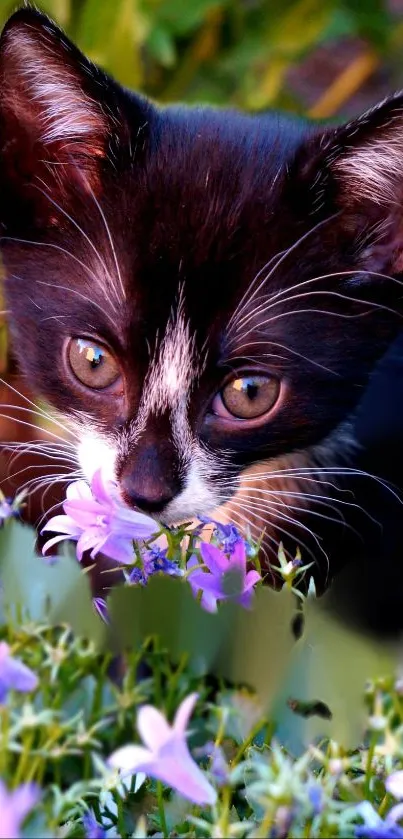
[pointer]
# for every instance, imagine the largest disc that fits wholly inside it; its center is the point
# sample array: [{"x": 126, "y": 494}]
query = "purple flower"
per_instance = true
[
  {"x": 6, "y": 510},
  {"x": 9, "y": 507},
  {"x": 101, "y": 608},
  {"x": 166, "y": 756},
  {"x": 226, "y": 578},
  {"x": 219, "y": 768},
  {"x": 376, "y": 828},
  {"x": 227, "y": 535},
  {"x": 137, "y": 577},
  {"x": 155, "y": 561},
  {"x": 14, "y": 675},
  {"x": 93, "y": 830},
  {"x": 97, "y": 519},
  {"x": 14, "y": 807}
]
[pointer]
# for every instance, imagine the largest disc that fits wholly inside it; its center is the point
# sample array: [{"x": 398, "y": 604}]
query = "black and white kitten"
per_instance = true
[{"x": 204, "y": 294}]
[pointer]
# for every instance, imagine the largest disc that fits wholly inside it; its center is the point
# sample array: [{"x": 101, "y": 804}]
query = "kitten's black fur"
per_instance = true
[{"x": 296, "y": 224}]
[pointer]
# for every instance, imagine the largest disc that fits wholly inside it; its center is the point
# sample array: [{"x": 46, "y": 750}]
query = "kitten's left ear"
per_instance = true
[
  {"x": 61, "y": 117},
  {"x": 361, "y": 177}
]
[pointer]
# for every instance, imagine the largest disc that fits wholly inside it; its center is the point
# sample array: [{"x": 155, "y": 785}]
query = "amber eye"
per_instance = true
[
  {"x": 250, "y": 396},
  {"x": 92, "y": 364}
]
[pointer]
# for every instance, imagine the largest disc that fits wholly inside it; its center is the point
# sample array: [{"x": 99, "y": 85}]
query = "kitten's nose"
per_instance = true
[{"x": 149, "y": 483}]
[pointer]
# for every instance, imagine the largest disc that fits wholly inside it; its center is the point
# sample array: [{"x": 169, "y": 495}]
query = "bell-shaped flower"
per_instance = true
[
  {"x": 165, "y": 754},
  {"x": 14, "y": 675},
  {"x": 226, "y": 577},
  {"x": 14, "y": 808},
  {"x": 96, "y": 518}
]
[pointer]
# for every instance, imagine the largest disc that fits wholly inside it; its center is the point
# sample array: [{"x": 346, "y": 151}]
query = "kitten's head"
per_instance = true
[{"x": 199, "y": 291}]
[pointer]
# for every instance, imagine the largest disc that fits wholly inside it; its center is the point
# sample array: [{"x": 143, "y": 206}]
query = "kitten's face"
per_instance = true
[{"x": 197, "y": 291}]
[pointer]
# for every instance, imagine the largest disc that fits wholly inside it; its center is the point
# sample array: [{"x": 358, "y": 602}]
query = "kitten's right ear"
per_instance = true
[{"x": 61, "y": 118}]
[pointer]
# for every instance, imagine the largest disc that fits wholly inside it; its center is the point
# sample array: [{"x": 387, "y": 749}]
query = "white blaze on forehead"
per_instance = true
[
  {"x": 95, "y": 453},
  {"x": 173, "y": 368}
]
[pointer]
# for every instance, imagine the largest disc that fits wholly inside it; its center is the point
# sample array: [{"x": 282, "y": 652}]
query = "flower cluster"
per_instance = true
[{"x": 98, "y": 520}]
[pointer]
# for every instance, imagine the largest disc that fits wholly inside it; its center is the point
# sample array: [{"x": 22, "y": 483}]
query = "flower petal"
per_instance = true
[
  {"x": 238, "y": 557},
  {"x": 102, "y": 489},
  {"x": 251, "y": 579},
  {"x": 62, "y": 524},
  {"x": 121, "y": 550},
  {"x": 215, "y": 559},
  {"x": 77, "y": 490},
  {"x": 184, "y": 713},
  {"x": 131, "y": 759},
  {"x": 54, "y": 541},
  {"x": 176, "y": 768},
  {"x": 153, "y": 727},
  {"x": 17, "y": 675},
  {"x": 394, "y": 784}
]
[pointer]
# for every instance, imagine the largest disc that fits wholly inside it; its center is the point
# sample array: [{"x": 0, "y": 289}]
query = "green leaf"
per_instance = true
[
  {"x": 245, "y": 646},
  {"x": 58, "y": 593},
  {"x": 371, "y": 19},
  {"x": 330, "y": 664},
  {"x": 112, "y": 34}
]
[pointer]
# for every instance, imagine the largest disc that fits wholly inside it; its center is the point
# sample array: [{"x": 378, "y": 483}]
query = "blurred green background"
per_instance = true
[
  {"x": 303, "y": 55},
  {"x": 324, "y": 58}
]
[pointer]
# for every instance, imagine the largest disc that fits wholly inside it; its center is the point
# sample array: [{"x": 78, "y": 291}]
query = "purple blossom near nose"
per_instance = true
[
  {"x": 155, "y": 561},
  {"x": 93, "y": 830},
  {"x": 227, "y": 536},
  {"x": 137, "y": 577},
  {"x": 165, "y": 754},
  {"x": 14, "y": 675},
  {"x": 225, "y": 579},
  {"x": 97, "y": 519},
  {"x": 14, "y": 807}
]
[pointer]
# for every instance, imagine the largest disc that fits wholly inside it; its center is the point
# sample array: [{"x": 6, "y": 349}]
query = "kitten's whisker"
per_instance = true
[
  {"x": 299, "y": 542},
  {"x": 344, "y": 315},
  {"x": 29, "y": 425},
  {"x": 37, "y": 466},
  {"x": 39, "y": 411},
  {"x": 275, "y": 355},
  {"x": 45, "y": 193},
  {"x": 279, "y": 295},
  {"x": 78, "y": 293},
  {"x": 55, "y": 247},
  {"x": 249, "y": 294},
  {"x": 302, "y": 472},
  {"x": 109, "y": 235}
]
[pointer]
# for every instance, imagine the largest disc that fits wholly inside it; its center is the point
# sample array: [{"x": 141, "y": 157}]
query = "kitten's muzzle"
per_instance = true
[{"x": 150, "y": 481}]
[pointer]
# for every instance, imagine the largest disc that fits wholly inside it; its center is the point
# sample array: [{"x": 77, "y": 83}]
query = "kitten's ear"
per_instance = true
[
  {"x": 59, "y": 114},
  {"x": 366, "y": 155},
  {"x": 357, "y": 171}
]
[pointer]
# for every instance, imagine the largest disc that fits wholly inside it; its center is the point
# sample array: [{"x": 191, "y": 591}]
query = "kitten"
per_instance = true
[{"x": 203, "y": 294}]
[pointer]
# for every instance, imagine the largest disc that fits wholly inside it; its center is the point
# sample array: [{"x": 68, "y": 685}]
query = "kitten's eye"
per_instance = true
[
  {"x": 247, "y": 397},
  {"x": 92, "y": 364}
]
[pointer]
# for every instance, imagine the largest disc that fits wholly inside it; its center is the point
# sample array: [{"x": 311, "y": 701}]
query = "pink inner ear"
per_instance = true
[{"x": 44, "y": 91}]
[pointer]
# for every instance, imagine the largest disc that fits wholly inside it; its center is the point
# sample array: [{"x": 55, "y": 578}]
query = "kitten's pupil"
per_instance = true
[{"x": 93, "y": 365}]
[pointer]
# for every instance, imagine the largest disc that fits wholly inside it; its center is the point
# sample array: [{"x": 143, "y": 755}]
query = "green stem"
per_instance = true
[
  {"x": 25, "y": 758},
  {"x": 161, "y": 810},
  {"x": 368, "y": 774}
]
